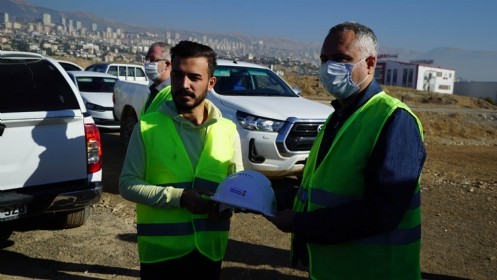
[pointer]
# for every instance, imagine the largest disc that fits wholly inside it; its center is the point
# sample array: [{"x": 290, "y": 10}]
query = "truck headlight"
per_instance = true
[
  {"x": 94, "y": 107},
  {"x": 252, "y": 122}
]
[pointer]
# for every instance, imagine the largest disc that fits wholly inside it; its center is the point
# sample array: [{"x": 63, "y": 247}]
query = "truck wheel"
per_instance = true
[
  {"x": 72, "y": 219},
  {"x": 5, "y": 232},
  {"x": 128, "y": 122}
]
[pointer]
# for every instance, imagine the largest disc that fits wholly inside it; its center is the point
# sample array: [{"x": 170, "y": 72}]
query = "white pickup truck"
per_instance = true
[
  {"x": 50, "y": 148},
  {"x": 276, "y": 125}
]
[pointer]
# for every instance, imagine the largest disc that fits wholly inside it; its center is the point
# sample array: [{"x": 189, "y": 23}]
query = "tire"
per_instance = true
[
  {"x": 5, "y": 232},
  {"x": 72, "y": 219},
  {"x": 128, "y": 122}
]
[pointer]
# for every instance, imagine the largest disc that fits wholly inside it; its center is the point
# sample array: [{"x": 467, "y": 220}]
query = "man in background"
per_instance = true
[{"x": 158, "y": 70}]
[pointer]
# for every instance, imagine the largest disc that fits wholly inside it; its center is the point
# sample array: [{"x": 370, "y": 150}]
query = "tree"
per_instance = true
[{"x": 20, "y": 45}]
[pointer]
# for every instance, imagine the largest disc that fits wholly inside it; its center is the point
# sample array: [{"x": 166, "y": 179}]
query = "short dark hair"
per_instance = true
[{"x": 188, "y": 49}]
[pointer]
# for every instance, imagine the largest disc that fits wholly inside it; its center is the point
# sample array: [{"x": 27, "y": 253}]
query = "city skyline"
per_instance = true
[
  {"x": 417, "y": 25},
  {"x": 470, "y": 65}
]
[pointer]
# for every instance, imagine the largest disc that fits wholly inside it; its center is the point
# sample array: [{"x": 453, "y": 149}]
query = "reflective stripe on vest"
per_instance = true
[
  {"x": 182, "y": 228},
  {"x": 331, "y": 200},
  {"x": 340, "y": 179},
  {"x": 165, "y": 234}
]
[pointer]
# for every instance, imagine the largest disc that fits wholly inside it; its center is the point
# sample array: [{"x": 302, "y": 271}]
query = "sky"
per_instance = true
[{"x": 419, "y": 25}]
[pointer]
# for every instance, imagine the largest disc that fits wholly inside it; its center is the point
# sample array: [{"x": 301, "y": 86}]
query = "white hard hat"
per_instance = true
[{"x": 248, "y": 190}]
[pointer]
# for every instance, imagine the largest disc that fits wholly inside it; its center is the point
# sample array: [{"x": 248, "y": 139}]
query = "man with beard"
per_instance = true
[{"x": 176, "y": 158}]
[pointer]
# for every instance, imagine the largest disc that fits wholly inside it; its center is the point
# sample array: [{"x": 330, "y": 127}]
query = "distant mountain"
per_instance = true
[
  {"x": 24, "y": 12},
  {"x": 469, "y": 64}
]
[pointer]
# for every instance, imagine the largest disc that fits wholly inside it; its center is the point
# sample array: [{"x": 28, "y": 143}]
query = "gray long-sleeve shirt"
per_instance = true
[{"x": 132, "y": 184}]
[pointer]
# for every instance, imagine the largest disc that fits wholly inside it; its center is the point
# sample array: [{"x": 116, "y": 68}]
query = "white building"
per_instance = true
[{"x": 420, "y": 76}]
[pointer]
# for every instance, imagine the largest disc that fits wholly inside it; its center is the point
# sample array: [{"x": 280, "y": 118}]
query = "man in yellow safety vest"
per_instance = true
[
  {"x": 357, "y": 213},
  {"x": 176, "y": 158}
]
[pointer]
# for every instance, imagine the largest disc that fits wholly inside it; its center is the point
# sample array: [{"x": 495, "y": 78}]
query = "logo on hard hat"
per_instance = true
[
  {"x": 249, "y": 190},
  {"x": 238, "y": 191}
]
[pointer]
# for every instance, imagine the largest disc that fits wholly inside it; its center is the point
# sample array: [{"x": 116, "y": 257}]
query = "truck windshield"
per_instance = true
[{"x": 250, "y": 82}]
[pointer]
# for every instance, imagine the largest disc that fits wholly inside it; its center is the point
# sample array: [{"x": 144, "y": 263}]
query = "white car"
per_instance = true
[
  {"x": 124, "y": 72},
  {"x": 96, "y": 89}
]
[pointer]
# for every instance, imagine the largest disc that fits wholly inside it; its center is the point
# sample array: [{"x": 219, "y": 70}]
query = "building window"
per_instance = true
[
  {"x": 404, "y": 77},
  {"x": 394, "y": 81},
  {"x": 378, "y": 74},
  {"x": 444, "y": 87},
  {"x": 439, "y": 74},
  {"x": 389, "y": 77},
  {"x": 410, "y": 77}
]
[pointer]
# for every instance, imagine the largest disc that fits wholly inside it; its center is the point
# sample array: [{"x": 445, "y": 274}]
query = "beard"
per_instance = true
[{"x": 184, "y": 106}]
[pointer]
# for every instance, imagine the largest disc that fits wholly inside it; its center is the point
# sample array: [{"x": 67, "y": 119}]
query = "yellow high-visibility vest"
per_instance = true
[
  {"x": 165, "y": 234},
  {"x": 340, "y": 179}
]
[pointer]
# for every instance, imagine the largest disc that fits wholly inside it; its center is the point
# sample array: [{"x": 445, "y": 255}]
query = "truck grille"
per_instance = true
[{"x": 302, "y": 135}]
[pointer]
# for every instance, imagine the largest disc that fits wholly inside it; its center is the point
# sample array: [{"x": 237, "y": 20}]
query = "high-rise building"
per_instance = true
[
  {"x": 94, "y": 27},
  {"x": 5, "y": 17},
  {"x": 47, "y": 19}
]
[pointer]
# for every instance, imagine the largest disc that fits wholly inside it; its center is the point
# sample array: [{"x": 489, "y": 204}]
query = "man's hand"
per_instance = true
[
  {"x": 215, "y": 214},
  {"x": 196, "y": 201},
  {"x": 283, "y": 220}
]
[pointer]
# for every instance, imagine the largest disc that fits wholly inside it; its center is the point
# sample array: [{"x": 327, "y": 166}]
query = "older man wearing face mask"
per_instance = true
[
  {"x": 158, "y": 70},
  {"x": 356, "y": 214}
]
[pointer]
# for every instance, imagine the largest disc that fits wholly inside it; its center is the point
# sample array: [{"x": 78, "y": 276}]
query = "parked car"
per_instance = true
[
  {"x": 124, "y": 72},
  {"x": 50, "y": 148},
  {"x": 277, "y": 126},
  {"x": 97, "y": 89},
  {"x": 70, "y": 66}
]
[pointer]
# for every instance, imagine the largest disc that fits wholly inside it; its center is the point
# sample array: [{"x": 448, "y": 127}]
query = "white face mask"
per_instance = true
[
  {"x": 151, "y": 70},
  {"x": 336, "y": 78}
]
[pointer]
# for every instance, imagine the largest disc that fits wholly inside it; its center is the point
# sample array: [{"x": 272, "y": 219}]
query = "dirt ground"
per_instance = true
[{"x": 459, "y": 194}]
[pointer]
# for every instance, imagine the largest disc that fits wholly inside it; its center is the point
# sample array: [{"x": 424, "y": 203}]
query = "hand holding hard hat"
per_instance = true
[
  {"x": 248, "y": 190},
  {"x": 196, "y": 201}
]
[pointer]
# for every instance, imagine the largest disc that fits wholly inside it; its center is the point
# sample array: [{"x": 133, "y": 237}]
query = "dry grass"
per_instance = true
[
  {"x": 312, "y": 89},
  {"x": 446, "y": 118}
]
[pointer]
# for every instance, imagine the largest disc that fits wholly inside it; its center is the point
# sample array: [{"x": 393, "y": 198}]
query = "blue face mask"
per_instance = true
[
  {"x": 336, "y": 78},
  {"x": 151, "y": 70}
]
